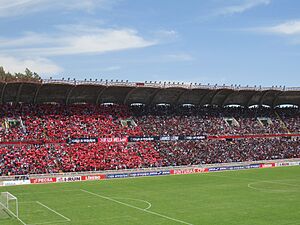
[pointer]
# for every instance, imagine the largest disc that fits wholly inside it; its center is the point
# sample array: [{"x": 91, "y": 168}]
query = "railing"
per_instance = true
[
  {"x": 158, "y": 84},
  {"x": 86, "y": 173},
  {"x": 161, "y": 84}
]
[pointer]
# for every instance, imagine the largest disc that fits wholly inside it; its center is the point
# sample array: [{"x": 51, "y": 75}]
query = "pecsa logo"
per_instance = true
[{"x": 42, "y": 180}]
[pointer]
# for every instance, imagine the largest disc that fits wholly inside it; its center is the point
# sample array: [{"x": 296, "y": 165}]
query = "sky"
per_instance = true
[{"x": 244, "y": 42}]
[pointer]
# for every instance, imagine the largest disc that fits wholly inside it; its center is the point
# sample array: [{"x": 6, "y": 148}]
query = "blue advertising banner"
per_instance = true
[
  {"x": 117, "y": 175},
  {"x": 138, "y": 174},
  {"x": 82, "y": 140}
]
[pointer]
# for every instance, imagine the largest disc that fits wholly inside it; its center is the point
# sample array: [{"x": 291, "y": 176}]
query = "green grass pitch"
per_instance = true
[{"x": 248, "y": 197}]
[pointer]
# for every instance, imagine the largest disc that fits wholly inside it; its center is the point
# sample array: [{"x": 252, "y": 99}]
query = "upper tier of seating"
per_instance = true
[{"x": 55, "y": 122}]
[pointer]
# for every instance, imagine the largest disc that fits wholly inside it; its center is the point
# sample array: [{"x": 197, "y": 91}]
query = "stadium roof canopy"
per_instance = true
[{"x": 124, "y": 92}]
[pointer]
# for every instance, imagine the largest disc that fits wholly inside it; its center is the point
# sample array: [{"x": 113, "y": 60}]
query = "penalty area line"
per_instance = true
[
  {"x": 134, "y": 207},
  {"x": 50, "y": 222},
  {"x": 52, "y": 210}
]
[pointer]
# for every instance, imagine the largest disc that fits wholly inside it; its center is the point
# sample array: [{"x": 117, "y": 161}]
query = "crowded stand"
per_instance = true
[
  {"x": 55, "y": 122},
  {"x": 208, "y": 120},
  {"x": 52, "y": 125},
  {"x": 224, "y": 151},
  {"x": 55, "y": 158}
]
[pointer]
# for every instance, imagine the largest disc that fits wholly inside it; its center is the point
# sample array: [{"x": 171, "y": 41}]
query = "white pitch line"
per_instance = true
[
  {"x": 52, "y": 210},
  {"x": 139, "y": 200},
  {"x": 21, "y": 221},
  {"x": 50, "y": 222},
  {"x": 6, "y": 209},
  {"x": 134, "y": 207}
]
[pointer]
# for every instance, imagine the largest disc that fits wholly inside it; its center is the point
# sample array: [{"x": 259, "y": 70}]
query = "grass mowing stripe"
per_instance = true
[{"x": 132, "y": 206}]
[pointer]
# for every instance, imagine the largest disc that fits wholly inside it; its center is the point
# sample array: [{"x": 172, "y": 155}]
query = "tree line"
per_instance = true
[{"x": 26, "y": 76}]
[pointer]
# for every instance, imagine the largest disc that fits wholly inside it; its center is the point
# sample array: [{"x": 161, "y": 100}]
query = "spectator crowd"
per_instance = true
[{"x": 57, "y": 123}]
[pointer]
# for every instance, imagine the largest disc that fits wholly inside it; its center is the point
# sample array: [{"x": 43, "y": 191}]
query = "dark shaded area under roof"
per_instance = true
[{"x": 96, "y": 92}]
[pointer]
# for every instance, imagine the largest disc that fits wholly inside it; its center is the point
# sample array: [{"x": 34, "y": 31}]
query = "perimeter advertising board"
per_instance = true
[{"x": 43, "y": 180}]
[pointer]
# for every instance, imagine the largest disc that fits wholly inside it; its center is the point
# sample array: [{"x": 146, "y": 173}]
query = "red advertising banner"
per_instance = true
[
  {"x": 267, "y": 165},
  {"x": 112, "y": 140},
  {"x": 189, "y": 171},
  {"x": 93, "y": 177},
  {"x": 43, "y": 180}
]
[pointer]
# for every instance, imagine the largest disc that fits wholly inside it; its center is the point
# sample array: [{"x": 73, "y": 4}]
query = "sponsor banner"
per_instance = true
[
  {"x": 182, "y": 138},
  {"x": 68, "y": 179},
  {"x": 117, "y": 175},
  {"x": 93, "y": 177},
  {"x": 267, "y": 165},
  {"x": 112, "y": 140},
  {"x": 288, "y": 164},
  {"x": 138, "y": 174},
  {"x": 166, "y": 138},
  {"x": 201, "y": 170},
  {"x": 189, "y": 171},
  {"x": 184, "y": 171},
  {"x": 81, "y": 140},
  {"x": 241, "y": 167},
  {"x": 213, "y": 169},
  {"x": 253, "y": 166},
  {"x": 238, "y": 167},
  {"x": 43, "y": 180},
  {"x": 225, "y": 168},
  {"x": 294, "y": 163},
  {"x": 192, "y": 138},
  {"x": 139, "y": 138},
  {"x": 151, "y": 173},
  {"x": 283, "y": 164},
  {"x": 169, "y": 138},
  {"x": 15, "y": 182}
]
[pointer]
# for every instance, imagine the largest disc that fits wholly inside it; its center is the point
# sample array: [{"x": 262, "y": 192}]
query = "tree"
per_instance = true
[
  {"x": 2, "y": 73},
  {"x": 27, "y": 76}
]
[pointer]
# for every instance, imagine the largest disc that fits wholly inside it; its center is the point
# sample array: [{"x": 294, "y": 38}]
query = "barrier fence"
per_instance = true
[{"x": 146, "y": 172}]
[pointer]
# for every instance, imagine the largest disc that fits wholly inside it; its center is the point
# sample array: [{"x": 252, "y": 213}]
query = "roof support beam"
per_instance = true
[
  {"x": 128, "y": 95},
  {"x": 2, "y": 93},
  {"x": 227, "y": 97},
  {"x": 69, "y": 94},
  {"x": 180, "y": 95},
  {"x": 151, "y": 99},
  {"x": 37, "y": 93},
  {"x": 203, "y": 97},
  {"x": 19, "y": 92},
  {"x": 250, "y": 98},
  {"x": 276, "y": 98},
  {"x": 100, "y": 93},
  {"x": 214, "y": 96},
  {"x": 262, "y": 97}
]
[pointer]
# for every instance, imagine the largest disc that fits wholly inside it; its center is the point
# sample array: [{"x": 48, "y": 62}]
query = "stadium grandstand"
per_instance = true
[{"x": 53, "y": 126}]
